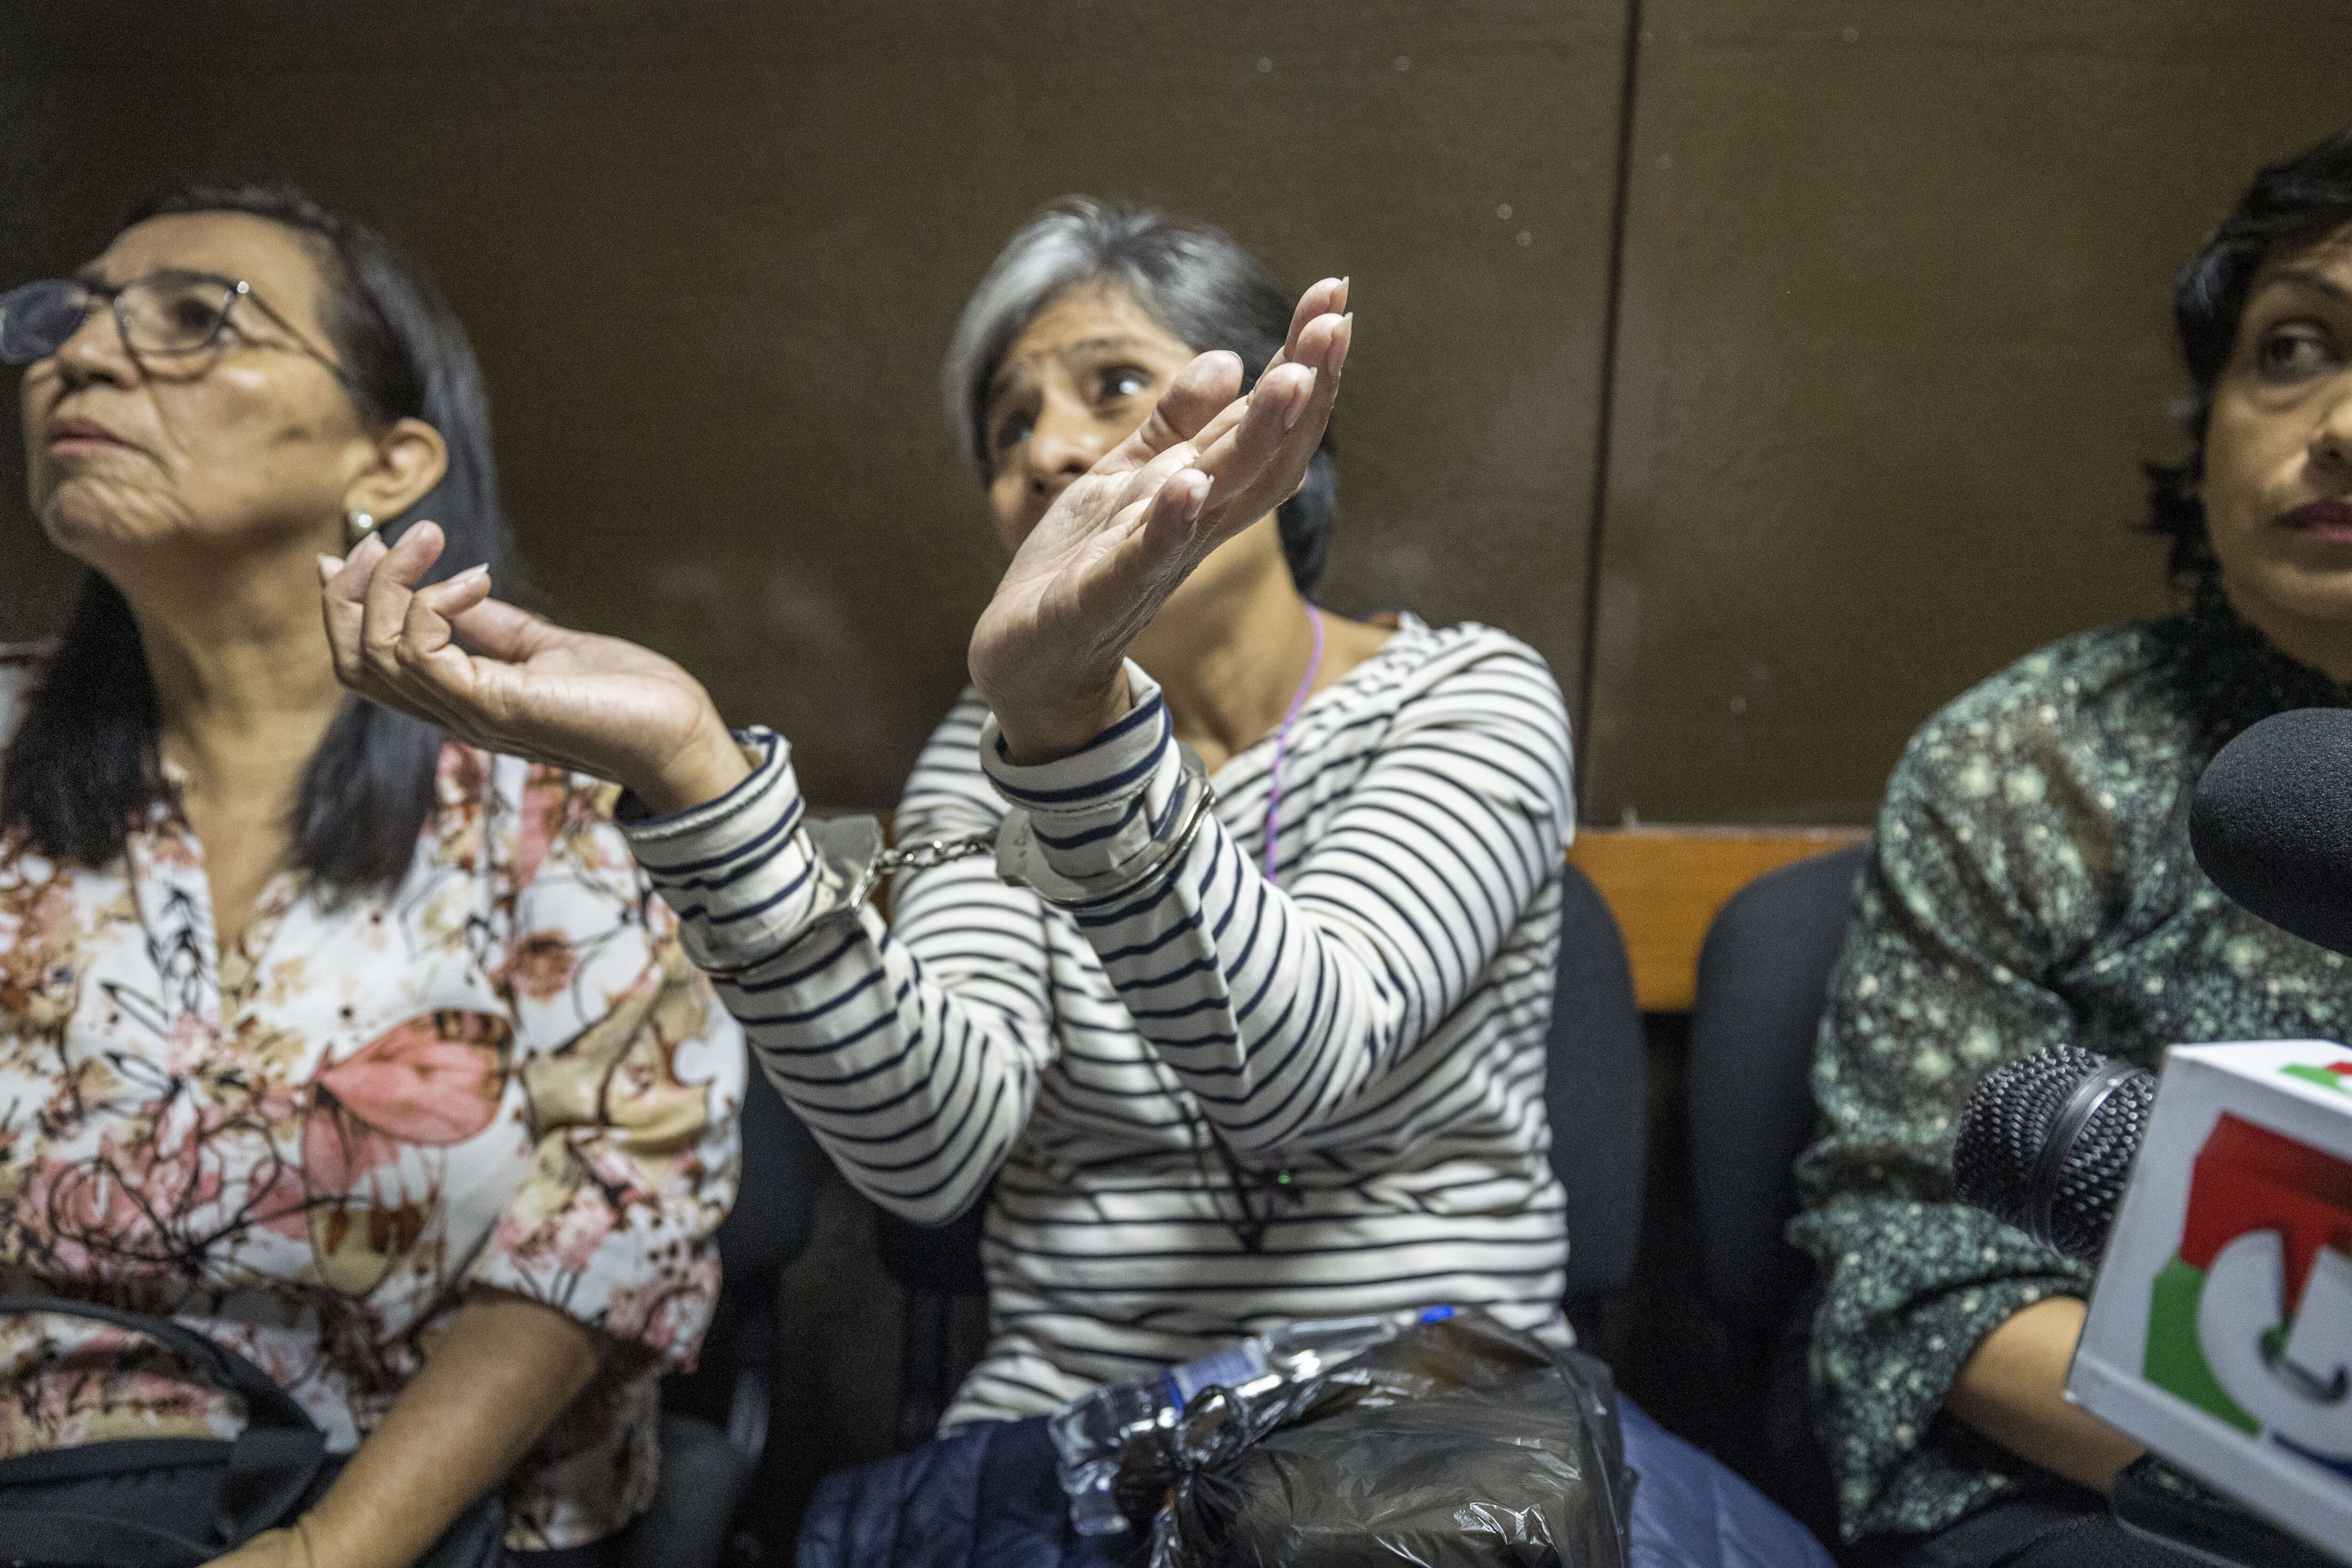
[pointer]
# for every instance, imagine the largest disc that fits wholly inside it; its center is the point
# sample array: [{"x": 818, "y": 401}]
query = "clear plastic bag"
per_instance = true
[
  {"x": 1456, "y": 1444},
  {"x": 1092, "y": 1435}
]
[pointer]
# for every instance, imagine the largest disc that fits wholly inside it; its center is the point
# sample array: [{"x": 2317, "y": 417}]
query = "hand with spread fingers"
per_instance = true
[
  {"x": 494, "y": 675},
  {"x": 1205, "y": 465}
]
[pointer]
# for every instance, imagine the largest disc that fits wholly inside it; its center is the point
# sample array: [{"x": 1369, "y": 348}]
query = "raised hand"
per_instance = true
[
  {"x": 518, "y": 684},
  {"x": 1202, "y": 466}
]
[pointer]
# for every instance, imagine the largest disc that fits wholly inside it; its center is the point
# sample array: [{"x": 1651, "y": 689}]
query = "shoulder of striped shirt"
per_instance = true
[
  {"x": 1484, "y": 667},
  {"x": 21, "y": 664},
  {"x": 1447, "y": 650}
]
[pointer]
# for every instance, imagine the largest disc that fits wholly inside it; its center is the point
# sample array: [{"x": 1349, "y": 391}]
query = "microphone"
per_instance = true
[
  {"x": 2271, "y": 824},
  {"x": 2046, "y": 1143}
]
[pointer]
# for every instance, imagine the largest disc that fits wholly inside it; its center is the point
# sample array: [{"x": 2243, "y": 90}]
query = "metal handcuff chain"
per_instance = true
[{"x": 855, "y": 861}]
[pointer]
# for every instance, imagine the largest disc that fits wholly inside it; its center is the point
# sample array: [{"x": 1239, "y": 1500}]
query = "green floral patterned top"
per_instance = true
[{"x": 2030, "y": 883}]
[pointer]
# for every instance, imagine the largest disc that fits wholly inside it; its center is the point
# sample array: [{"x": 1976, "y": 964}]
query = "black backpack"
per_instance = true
[{"x": 175, "y": 1502}]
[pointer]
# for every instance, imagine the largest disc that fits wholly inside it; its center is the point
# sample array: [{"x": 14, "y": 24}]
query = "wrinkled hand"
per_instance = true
[
  {"x": 518, "y": 684},
  {"x": 1202, "y": 466}
]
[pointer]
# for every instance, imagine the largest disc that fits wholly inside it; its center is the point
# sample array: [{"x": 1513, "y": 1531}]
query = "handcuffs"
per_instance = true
[{"x": 855, "y": 862}]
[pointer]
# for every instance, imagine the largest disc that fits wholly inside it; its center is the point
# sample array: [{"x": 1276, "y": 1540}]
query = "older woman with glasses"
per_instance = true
[
  {"x": 365, "y": 1054},
  {"x": 1218, "y": 1057}
]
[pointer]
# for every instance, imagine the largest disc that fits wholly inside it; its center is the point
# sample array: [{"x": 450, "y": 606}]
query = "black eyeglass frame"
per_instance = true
[{"x": 232, "y": 290}]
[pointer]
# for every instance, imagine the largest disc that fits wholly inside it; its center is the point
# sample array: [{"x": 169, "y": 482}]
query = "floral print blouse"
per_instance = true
[
  {"x": 503, "y": 1073},
  {"x": 2030, "y": 883}
]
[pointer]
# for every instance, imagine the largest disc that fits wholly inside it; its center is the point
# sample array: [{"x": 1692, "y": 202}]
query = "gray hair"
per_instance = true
[{"x": 1194, "y": 280}]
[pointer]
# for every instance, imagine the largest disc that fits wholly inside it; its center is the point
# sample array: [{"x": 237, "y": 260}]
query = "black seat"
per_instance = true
[
  {"x": 714, "y": 1423},
  {"x": 934, "y": 1266},
  {"x": 1595, "y": 1093},
  {"x": 1763, "y": 979}
]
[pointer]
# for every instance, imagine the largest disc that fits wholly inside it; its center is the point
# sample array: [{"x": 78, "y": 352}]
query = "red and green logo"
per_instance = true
[
  {"x": 2251, "y": 1322},
  {"x": 2336, "y": 1076}
]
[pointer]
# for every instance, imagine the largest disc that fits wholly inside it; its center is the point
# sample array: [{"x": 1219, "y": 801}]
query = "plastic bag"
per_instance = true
[{"x": 1456, "y": 1444}]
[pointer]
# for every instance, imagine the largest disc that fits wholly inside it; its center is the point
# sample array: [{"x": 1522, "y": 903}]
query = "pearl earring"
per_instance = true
[{"x": 361, "y": 525}]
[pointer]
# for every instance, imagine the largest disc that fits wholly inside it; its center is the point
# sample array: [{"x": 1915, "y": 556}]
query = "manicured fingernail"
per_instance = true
[
  {"x": 329, "y": 565},
  {"x": 1200, "y": 497},
  {"x": 1341, "y": 340},
  {"x": 1297, "y": 407},
  {"x": 471, "y": 573}
]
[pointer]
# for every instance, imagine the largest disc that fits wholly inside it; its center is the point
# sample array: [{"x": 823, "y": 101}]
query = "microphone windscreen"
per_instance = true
[
  {"x": 2272, "y": 823},
  {"x": 2009, "y": 1160}
]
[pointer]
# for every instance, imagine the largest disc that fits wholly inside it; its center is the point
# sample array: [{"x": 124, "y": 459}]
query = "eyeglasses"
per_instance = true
[{"x": 162, "y": 315}]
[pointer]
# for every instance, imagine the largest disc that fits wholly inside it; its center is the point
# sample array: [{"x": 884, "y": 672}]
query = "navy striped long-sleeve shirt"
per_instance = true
[{"x": 1371, "y": 1022}]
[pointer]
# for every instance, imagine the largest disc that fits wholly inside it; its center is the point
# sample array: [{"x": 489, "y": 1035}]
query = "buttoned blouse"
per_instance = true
[{"x": 501, "y": 1072}]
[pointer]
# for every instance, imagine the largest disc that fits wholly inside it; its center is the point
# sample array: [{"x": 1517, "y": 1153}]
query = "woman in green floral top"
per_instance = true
[{"x": 2030, "y": 883}]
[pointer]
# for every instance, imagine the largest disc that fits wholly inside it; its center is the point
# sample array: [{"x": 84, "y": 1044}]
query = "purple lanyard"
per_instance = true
[{"x": 1282, "y": 736}]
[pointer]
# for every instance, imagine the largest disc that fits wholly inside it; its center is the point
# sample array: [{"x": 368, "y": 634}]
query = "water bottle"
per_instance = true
[{"x": 1090, "y": 1434}]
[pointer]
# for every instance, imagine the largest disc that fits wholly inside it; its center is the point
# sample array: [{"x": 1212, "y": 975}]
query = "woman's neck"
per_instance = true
[
  {"x": 1229, "y": 664},
  {"x": 2324, "y": 644},
  {"x": 1230, "y": 659},
  {"x": 245, "y": 686}
]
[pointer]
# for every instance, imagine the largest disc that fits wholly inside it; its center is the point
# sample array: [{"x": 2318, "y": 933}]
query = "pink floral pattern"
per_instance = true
[{"x": 504, "y": 1072}]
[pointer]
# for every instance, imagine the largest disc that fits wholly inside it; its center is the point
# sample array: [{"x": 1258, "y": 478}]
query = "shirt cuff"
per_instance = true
[
  {"x": 1100, "y": 809},
  {"x": 742, "y": 876}
]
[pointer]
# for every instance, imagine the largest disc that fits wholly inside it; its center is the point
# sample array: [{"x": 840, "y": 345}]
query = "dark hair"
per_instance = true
[
  {"x": 1194, "y": 280},
  {"x": 2293, "y": 203},
  {"x": 85, "y": 761}
]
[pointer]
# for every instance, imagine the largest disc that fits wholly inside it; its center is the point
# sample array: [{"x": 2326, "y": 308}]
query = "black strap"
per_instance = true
[
  {"x": 270, "y": 1472},
  {"x": 268, "y": 1468},
  {"x": 59, "y": 1540},
  {"x": 2163, "y": 1505},
  {"x": 266, "y": 1404},
  {"x": 115, "y": 1457},
  {"x": 1999, "y": 1532}
]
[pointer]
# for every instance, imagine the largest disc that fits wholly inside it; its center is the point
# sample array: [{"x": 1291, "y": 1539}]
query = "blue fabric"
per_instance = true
[
  {"x": 1690, "y": 1512},
  {"x": 986, "y": 1497}
]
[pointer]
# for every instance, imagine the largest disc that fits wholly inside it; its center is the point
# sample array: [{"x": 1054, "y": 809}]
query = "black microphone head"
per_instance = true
[
  {"x": 2272, "y": 823},
  {"x": 2046, "y": 1143}
]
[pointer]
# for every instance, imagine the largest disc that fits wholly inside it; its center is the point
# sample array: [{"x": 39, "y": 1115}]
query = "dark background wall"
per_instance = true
[
  {"x": 1895, "y": 333},
  {"x": 1866, "y": 329}
]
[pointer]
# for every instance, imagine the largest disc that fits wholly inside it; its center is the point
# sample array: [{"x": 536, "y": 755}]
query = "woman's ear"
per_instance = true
[{"x": 410, "y": 459}]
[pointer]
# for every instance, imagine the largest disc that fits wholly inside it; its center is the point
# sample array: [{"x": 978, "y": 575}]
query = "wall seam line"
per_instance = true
[{"x": 1596, "y": 516}]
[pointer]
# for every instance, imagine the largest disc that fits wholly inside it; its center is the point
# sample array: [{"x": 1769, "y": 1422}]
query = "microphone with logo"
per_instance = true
[{"x": 2220, "y": 1210}]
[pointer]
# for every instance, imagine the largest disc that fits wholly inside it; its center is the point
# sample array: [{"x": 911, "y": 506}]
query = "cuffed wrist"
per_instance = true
[
  {"x": 633, "y": 811},
  {"x": 707, "y": 768},
  {"x": 1097, "y": 810}
]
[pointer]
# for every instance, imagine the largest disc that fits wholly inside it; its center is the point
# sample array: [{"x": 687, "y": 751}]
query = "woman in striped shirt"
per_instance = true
[{"x": 1227, "y": 1061}]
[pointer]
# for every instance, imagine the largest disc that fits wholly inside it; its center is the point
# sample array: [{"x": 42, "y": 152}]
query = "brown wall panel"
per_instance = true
[
  {"x": 710, "y": 254},
  {"x": 1894, "y": 336}
]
